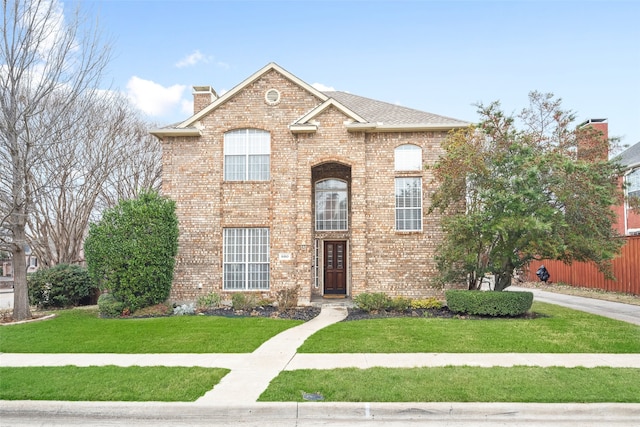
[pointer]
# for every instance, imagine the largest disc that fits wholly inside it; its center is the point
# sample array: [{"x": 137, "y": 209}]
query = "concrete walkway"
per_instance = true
[{"x": 247, "y": 382}]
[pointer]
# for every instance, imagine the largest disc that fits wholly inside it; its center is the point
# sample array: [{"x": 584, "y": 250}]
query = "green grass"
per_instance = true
[
  {"x": 82, "y": 331},
  {"x": 108, "y": 383},
  {"x": 560, "y": 330},
  {"x": 460, "y": 384}
]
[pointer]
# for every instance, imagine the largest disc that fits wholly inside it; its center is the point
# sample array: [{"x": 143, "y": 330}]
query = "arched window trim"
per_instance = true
[{"x": 406, "y": 157}]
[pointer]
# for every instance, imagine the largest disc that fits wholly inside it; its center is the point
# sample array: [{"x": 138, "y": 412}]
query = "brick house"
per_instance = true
[
  {"x": 278, "y": 185},
  {"x": 629, "y": 221},
  {"x": 596, "y": 146}
]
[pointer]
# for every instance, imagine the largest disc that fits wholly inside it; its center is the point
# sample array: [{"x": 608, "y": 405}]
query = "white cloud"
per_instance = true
[
  {"x": 152, "y": 98},
  {"x": 51, "y": 16},
  {"x": 323, "y": 88},
  {"x": 193, "y": 59},
  {"x": 186, "y": 107}
]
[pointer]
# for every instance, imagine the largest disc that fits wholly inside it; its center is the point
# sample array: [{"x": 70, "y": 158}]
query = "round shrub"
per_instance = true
[
  {"x": 61, "y": 286},
  {"x": 368, "y": 302},
  {"x": 131, "y": 251},
  {"x": 489, "y": 303},
  {"x": 109, "y": 306}
]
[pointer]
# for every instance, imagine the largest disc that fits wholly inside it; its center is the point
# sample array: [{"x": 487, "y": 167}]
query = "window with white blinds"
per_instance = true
[
  {"x": 246, "y": 258},
  {"x": 247, "y": 155}
]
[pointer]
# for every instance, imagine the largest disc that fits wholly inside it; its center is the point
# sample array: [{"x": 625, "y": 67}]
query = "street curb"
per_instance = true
[{"x": 344, "y": 411}]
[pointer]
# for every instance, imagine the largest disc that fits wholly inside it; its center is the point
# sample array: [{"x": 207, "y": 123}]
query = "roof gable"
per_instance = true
[
  {"x": 255, "y": 76},
  {"x": 328, "y": 103},
  {"x": 367, "y": 115}
]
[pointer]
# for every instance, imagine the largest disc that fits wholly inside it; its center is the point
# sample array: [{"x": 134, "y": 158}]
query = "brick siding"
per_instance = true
[{"x": 380, "y": 259}]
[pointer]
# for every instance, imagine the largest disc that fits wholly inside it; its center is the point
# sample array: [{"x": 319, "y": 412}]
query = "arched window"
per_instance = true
[
  {"x": 408, "y": 157},
  {"x": 331, "y": 205},
  {"x": 247, "y": 155}
]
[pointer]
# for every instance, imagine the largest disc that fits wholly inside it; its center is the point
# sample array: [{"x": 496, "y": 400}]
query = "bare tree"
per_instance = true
[
  {"x": 100, "y": 159},
  {"x": 140, "y": 169},
  {"x": 45, "y": 62}
]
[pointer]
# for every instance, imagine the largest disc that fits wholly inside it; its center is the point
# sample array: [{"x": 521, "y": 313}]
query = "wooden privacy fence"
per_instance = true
[{"x": 626, "y": 269}]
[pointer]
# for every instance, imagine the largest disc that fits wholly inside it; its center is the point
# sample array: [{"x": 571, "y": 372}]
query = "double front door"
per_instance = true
[{"x": 335, "y": 267}]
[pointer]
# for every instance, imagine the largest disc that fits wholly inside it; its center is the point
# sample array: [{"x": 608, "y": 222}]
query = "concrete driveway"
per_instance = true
[{"x": 614, "y": 310}]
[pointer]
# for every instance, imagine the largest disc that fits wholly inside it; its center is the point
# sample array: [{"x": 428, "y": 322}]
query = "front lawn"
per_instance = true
[
  {"x": 82, "y": 331},
  {"x": 555, "y": 330},
  {"x": 459, "y": 384},
  {"x": 108, "y": 383}
]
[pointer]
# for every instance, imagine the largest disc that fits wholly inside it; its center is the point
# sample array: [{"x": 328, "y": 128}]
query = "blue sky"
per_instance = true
[{"x": 437, "y": 56}]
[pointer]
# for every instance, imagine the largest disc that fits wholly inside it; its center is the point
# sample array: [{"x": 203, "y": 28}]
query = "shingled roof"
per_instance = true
[
  {"x": 631, "y": 156},
  {"x": 367, "y": 115},
  {"x": 389, "y": 114}
]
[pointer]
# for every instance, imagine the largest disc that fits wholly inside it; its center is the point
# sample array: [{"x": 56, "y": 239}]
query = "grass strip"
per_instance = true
[
  {"x": 556, "y": 330},
  {"x": 82, "y": 331},
  {"x": 460, "y": 384},
  {"x": 108, "y": 383}
]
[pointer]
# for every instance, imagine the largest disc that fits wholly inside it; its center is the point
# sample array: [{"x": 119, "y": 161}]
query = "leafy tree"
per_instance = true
[
  {"x": 514, "y": 195},
  {"x": 131, "y": 251}
]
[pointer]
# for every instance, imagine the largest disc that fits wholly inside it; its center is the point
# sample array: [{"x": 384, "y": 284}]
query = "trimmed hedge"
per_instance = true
[{"x": 489, "y": 303}]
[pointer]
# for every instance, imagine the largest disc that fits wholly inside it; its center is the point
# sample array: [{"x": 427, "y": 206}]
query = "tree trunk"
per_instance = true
[
  {"x": 21, "y": 309},
  {"x": 503, "y": 281}
]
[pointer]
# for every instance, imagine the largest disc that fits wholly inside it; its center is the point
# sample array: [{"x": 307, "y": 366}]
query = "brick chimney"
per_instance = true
[
  {"x": 593, "y": 140},
  {"x": 203, "y": 96}
]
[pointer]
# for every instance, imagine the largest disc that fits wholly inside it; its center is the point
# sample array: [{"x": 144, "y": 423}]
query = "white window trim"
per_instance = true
[
  {"x": 246, "y": 153},
  {"x": 246, "y": 261},
  {"x": 406, "y": 158},
  {"x": 398, "y": 208},
  {"x": 346, "y": 190}
]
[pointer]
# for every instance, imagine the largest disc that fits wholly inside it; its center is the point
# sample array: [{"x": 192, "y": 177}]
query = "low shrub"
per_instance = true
[
  {"x": 287, "y": 299},
  {"x": 63, "y": 285},
  {"x": 372, "y": 301},
  {"x": 212, "y": 300},
  {"x": 244, "y": 301},
  {"x": 109, "y": 306},
  {"x": 426, "y": 303},
  {"x": 489, "y": 303},
  {"x": 399, "y": 304}
]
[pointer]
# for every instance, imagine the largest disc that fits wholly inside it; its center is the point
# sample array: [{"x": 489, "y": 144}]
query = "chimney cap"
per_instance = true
[
  {"x": 591, "y": 121},
  {"x": 204, "y": 89}
]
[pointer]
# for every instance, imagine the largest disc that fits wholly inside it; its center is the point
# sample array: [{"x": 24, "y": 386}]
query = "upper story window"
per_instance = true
[
  {"x": 331, "y": 205},
  {"x": 408, "y": 157},
  {"x": 633, "y": 183},
  {"x": 247, "y": 155}
]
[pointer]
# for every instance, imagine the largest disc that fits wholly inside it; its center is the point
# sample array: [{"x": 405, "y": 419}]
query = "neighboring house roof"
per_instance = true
[
  {"x": 631, "y": 156},
  {"x": 366, "y": 114}
]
